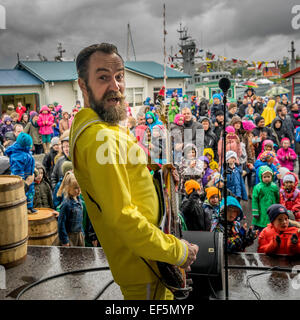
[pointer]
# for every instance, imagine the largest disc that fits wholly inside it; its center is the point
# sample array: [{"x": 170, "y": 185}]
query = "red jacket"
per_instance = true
[
  {"x": 20, "y": 111},
  {"x": 291, "y": 200},
  {"x": 267, "y": 241}
]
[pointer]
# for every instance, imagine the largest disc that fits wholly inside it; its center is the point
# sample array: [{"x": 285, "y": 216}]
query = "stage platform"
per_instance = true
[{"x": 45, "y": 261}]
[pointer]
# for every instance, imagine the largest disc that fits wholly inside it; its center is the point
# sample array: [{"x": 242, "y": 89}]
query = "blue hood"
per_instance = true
[
  {"x": 231, "y": 201},
  {"x": 16, "y": 148}
]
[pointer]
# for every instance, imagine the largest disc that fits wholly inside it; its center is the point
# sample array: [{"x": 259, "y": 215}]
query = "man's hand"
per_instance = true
[
  {"x": 192, "y": 254},
  {"x": 193, "y": 164},
  {"x": 66, "y": 244},
  {"x": 95, "y": 243},
  {"x": 29, "y": 179},
  {"x": 56, "y": 213}
]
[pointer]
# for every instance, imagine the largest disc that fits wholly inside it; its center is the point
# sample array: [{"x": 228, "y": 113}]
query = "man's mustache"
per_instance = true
[{"x": 113, "y": 95}]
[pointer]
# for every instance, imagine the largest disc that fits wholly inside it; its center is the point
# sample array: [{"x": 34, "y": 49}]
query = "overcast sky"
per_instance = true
[{"x": 259, "y": 30}]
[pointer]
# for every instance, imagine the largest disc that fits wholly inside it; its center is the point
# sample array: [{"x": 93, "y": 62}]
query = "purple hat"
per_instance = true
[
  {"x": 33, "y": 114},
  {"x": 204, "y": 159}
]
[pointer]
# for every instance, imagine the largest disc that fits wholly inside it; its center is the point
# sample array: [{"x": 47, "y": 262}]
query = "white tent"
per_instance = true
[{"x": 264, "y": 81}]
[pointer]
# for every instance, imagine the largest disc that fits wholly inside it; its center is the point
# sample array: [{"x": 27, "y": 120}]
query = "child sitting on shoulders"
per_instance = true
[
  {"x": 70, "y": 228},
  {"x": 290, "y": 194},
  {"x": 278, "y": 237}
]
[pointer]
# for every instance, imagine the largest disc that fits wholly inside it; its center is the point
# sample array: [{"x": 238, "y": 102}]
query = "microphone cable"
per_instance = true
[{"x": 58, "y": 275}]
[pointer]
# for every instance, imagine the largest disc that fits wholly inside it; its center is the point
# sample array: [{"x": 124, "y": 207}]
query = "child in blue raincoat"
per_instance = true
[
  {"x": 22, "y": 164},
  {"x": 238, "y": 237}
]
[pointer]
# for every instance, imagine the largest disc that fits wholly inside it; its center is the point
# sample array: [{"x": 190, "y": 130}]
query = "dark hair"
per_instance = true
[{"x": 83, "y": 57}]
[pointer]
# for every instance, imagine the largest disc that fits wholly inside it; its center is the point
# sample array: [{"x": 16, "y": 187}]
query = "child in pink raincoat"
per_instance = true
[
  {"x": 286, "y": 155},
  {"x": 45, "y": 122}
]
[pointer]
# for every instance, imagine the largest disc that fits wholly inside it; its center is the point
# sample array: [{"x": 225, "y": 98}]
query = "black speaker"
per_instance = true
[{"x": 207, "y": 272}]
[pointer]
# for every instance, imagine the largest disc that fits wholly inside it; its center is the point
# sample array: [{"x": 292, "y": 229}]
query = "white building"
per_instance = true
[{"x": 36, "y": 83}]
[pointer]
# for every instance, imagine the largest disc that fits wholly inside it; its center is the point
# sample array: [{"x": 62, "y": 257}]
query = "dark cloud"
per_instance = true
[{"x": 247, "y": 29}]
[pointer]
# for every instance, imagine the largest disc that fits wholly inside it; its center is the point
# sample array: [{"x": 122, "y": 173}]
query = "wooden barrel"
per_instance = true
[
  {"x": 13, "y": 221},
  {"x": 42, "y": 228}
]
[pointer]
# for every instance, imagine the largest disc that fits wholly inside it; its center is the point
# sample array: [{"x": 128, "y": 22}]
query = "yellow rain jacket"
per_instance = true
[
  {"x": 269, "y": 113},
  {"x": 212, "y": 164},
  {"x": 121, "y": 200}
]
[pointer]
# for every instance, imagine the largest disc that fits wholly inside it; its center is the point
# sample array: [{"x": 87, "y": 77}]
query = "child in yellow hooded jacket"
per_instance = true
[{"x": 209, "y": 153}]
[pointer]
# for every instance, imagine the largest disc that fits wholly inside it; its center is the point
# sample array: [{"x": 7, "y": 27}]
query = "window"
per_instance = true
[{"x": 134, "y": 96}]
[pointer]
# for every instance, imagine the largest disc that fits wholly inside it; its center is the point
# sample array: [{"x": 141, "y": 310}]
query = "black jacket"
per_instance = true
[
  {"x": 289, "y": 127},
  {"x": 242, "y": 110},
  {"x": 259, "y": 107},
  {"x": 278, "y": 134},
  {"x": 191, "y": 135},
  {"x": 48, "y": 162},
  {"x": 196, "y": 218}
]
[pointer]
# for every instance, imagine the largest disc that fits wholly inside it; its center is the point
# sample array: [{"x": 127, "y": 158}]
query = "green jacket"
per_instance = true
[
  {"x": 33, "y": 131},
  {"x": 172, "y": 113},
  {"x": 264, "y": 195}
]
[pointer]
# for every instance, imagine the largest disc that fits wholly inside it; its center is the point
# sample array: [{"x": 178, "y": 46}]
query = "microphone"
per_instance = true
[{"x": 224, "y": 84}]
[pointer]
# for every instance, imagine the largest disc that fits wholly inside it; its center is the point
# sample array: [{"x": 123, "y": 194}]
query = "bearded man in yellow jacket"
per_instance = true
[{"x": 116, "y": 185}]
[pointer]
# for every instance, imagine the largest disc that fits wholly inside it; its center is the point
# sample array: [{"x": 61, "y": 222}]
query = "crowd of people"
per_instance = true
[{"x": 262, "y": 150}]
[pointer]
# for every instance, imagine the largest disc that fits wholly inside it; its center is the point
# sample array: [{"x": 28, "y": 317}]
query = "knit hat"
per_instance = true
[
  {"x": 275, "y": 210},
  {"x": 191, "y": 185},
  {"x": 24, "y": 140},
  {"x": 230, "y": 154},
  {"x": 230, "y": 129},
  {"x": 248, "y": 125},
  {"x": 7, "y": 118},
  {"x": 267, "y": 155},
  {"x": 257, "y": 119},
  {"x": 289, "y": 177},
  {"x": 54, "y": 141},
  {"x": 65, "y": 136},
  {"x": 204, "y": 159},
  {"x": 66, "y": 166},
  {"x": 235, "y": 119},
  {"x": 284, "y": 139},
  {"x": 211, "y": 191},
  {"x": 217, "y": 96},
  {"x": 177, "y": 117},
  {"x": 32, "y": 114}
]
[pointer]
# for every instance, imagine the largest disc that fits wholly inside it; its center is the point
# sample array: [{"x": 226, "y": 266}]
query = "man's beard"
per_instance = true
[{"x": 112, "y": 114}]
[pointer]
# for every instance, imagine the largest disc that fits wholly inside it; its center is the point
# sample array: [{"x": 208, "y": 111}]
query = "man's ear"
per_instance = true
[{"x": 83, "y": 88}]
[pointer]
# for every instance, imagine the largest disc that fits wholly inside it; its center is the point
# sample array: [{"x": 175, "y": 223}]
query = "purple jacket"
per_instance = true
[
  {"x": 207, "y": 173},
  {"x": 6, "y": 128}
]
